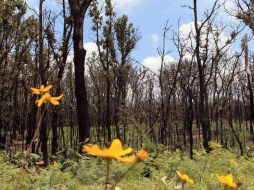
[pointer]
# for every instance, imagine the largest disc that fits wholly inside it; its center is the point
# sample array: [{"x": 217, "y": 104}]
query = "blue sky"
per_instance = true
[{"x": 150, "y": 16}]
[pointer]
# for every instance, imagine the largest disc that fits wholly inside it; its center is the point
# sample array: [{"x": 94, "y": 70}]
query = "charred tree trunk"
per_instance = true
[
  {"x": 42, "y": 71},
  {"x": 250, "y": 83},
  {"x": 190, "y": 116},
  {"x": 78, "y": 10},
  {"x": 80, "y": 87},
  {"x": 61, "y": 59},
  {"x": 203, "y": 112},
  {"x": 230, "y": 122}
]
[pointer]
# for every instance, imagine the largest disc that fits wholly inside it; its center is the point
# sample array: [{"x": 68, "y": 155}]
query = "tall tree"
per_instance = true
[
  {"x": 78, "y": 10},
  {"x": 11, "y": 42},
  {"x": 42, "y": 73},
  {"x": 60, "y": 54},
  {"x": 245, "y": 13},
  {"x": 250, "y": 82},
  {"x": 115, "y": 39},
  {"x": 207, "y": 58}
]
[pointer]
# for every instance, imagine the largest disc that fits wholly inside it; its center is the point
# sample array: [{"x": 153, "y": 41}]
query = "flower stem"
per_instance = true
[
  {"x": 107, "y": 175},
  {"x": 183, "y": 183},
  {"x": 29, "y": 150},
  {"x": 36, "y": 133},
  {"x": 122, "y": 176}
]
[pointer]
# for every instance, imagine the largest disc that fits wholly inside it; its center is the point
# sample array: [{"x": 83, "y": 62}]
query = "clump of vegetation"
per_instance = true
[{"x": 219, "y": 169}]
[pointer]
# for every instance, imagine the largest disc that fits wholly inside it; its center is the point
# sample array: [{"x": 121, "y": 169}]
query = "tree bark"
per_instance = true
[
  {"x": 203, "y": 112},
  {"x": 42, "y": 71},
  {"x": 78, "y": 10},
  {"x": 250, "y": 83}
]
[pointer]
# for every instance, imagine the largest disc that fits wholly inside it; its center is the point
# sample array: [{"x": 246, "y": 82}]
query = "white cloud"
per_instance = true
[
  {"x": 154, "y": 63},
  {"x": 228, "y": 10},
  {"x": 126, "y": 5},
  {"x": 34, "y": 6},
  {"x": 189, "y": 57},
  {"x": 154, "y": 38},
  {"x": 188, "y": 31},
  {"x": 90, "y": 48}
]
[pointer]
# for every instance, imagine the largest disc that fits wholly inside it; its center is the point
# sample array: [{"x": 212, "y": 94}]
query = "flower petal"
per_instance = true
[
  {"x": 40, "y": 102},
  {"x": 54, "y": 101},
  {"x": 229, "y": 178},
  {"x": 92, "y": 150},
  {"x": 142, "y": 154},
  {"x": 184, "y": 178},
  {"x": 178, "y": 174},
  {"x": 46, "y": 97},
  {"x": 130, "y": 159},
  {"x": 58, "y": 97},
  {"x": 222, "y": 179},
  {"x": 116, "y": 146},
  {"x": 47, "y": 88},
  {"x": 35, "y": 91},
  {"x": 126, "y": 151},
  {"x": 42, "y": 88}
]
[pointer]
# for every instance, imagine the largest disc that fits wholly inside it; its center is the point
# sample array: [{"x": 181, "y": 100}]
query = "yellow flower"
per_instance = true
[
  {"x": 228, "y": 181},
  {"x": 184, "y": 178},
  {"x": 47, "y": 97},
  {"x": 41, "y": 90},
  {"x": 43, "y": 99},
  {"x": 115, "y": 151}
]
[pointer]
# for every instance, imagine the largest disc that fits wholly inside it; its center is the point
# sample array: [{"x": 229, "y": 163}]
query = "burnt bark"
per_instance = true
[
  {"x": 203, "y": 112},
  {"x": 78, "y": 10},
  {"x": 42, "y": 72}
]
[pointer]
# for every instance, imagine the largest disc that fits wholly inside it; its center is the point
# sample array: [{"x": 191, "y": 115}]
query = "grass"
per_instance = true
[{"x": 155, "y": 173}]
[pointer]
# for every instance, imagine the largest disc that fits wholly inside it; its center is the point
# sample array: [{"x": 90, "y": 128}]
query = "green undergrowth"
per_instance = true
[{"x": 155, "y": 173}]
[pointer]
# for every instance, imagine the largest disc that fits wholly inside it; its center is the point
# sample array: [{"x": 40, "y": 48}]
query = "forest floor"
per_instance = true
[{"x": 155, "y": 173}]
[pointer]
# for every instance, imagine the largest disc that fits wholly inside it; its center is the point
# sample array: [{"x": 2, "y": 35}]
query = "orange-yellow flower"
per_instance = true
[
  {"x": 43, "y": 99},
  {"x": 184, "y": 178},
  {"x": 47, "y": 97},
  {"x": 142, "y": 154},
  {"x": 115, "y": 151},
  {"x": 54, "y": 100},
  {"x": 41, "y": 90},
  {"x": 228, "y": 181},
  {"x": 128, "y": 160}
]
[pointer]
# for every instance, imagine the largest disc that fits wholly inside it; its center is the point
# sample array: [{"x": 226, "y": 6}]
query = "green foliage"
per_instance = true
[
  {"x": 205, "y": 168},
  {"x": 154, "y": 173}
]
